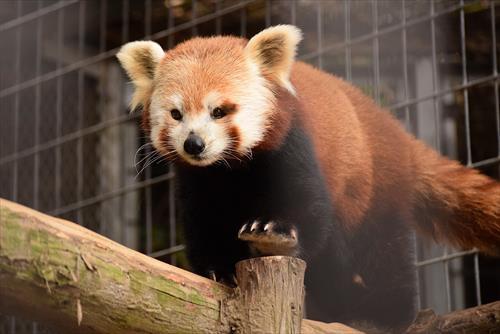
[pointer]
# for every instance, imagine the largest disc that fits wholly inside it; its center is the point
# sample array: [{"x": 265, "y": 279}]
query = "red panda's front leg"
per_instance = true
[{"x": 271, "y": 237}]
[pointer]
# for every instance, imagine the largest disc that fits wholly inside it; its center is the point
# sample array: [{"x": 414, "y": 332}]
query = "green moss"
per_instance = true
[
  {"x": 108, "y": 271},
  {"x": 7, "y": 215},
  {"x": 166, "y": 286},
  {"x": 47, "y": 255},
  {"x": 46, "y": 259},
  {"x": 12, "y": 237}
]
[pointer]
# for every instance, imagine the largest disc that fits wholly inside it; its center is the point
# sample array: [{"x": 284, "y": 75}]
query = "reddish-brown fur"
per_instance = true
[
  {"x": 205, "y": 60},
  {"x": 281, "y": 121},
  {"x": 145, "y": 122},
  {"x": 371, "y": 164}
]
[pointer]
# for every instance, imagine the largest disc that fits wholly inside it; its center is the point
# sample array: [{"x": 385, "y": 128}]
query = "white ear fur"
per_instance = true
[
  {"x": 140, "y": 59},
  {"x": 273, "y": 50}
]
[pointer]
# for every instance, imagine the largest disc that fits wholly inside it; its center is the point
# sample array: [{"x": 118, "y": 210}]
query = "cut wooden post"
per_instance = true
[{"x": 269, "y": 296}]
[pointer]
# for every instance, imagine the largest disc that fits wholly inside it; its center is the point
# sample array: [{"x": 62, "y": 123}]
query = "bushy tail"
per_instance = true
[{"x": 456, "y": 204}]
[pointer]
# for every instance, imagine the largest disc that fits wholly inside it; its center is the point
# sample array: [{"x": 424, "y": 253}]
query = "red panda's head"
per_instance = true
[{"x": 210, "y": 99}]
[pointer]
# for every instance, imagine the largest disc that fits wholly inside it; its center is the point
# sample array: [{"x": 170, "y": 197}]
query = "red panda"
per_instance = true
[{"x": 275, "y": 157}]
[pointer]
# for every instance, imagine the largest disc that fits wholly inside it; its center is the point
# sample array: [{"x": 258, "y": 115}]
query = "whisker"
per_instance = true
[
  {"x": 147, "y": 155},
  {"x": 231, "y": 155},
  {"x": 151, "y": 155},
  {"x": 151, "y": 161},
  {"x": 140, "y": 149},
  {"x": 148, "y": 163}
]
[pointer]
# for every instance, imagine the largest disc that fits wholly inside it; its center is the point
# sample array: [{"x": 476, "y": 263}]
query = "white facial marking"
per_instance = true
[
  {"x": 252, "y": 118},
  {"x": 177, "y": 101},
  {"x": 160, "y": 115},
  {"x": 212, "y": 100}
]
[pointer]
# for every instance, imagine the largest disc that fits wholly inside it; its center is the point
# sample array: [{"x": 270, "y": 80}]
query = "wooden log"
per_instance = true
[
  {"x": 64, "y": 275},
  {"x": 270, "y": 295},
  {"x": 476, "y": 320},
  {"x": 61, "y": 272},
  {"x": 317, "y": 327}
]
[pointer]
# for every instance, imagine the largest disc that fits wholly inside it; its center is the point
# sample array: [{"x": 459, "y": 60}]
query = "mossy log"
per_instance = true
[
  {"x": 77, "y": 281},
  {"x": 64, "y": 275}
]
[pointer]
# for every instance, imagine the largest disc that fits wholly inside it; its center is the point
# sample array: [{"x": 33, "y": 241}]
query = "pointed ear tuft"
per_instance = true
[
  {"x": 140, "y": 60},
  {"x": 273, "y": 50}
]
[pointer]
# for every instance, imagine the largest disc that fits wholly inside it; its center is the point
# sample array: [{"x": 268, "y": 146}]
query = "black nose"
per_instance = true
[{"x": 194, "y": 145}]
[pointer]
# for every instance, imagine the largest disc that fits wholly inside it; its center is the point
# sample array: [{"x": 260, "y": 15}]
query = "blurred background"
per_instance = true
[{"x": 69, "y": 146}]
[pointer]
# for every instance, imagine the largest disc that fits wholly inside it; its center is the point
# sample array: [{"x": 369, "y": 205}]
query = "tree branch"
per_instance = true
[
  {"x": 64, "y": 275},
  {"x": 476, "y": 320}
]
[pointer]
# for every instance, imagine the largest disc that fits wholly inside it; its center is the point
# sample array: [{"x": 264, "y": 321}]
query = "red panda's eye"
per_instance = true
[
  {"x": 176, "y": 114},
  {"x": 218, "y": 113}
]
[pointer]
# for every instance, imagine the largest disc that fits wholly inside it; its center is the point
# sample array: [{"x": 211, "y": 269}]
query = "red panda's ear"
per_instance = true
[
  {"x": 273, "y": 51},
  {"x": 140, "y": 59}
]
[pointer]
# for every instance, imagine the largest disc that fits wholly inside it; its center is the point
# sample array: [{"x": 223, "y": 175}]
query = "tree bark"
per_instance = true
[
  {"x": 64, "y": 275},
  {"x": 270, "y": 295},
  {"x": 62, "y": 272},
  {"x": 476, "y": 320}
]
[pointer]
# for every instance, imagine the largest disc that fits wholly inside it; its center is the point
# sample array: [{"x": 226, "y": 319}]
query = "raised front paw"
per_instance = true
[{"x": 270, "y": 237}]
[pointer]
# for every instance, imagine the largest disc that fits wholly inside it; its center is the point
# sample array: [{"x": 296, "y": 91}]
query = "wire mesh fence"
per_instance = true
[{"x": 70, "y": 147}]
